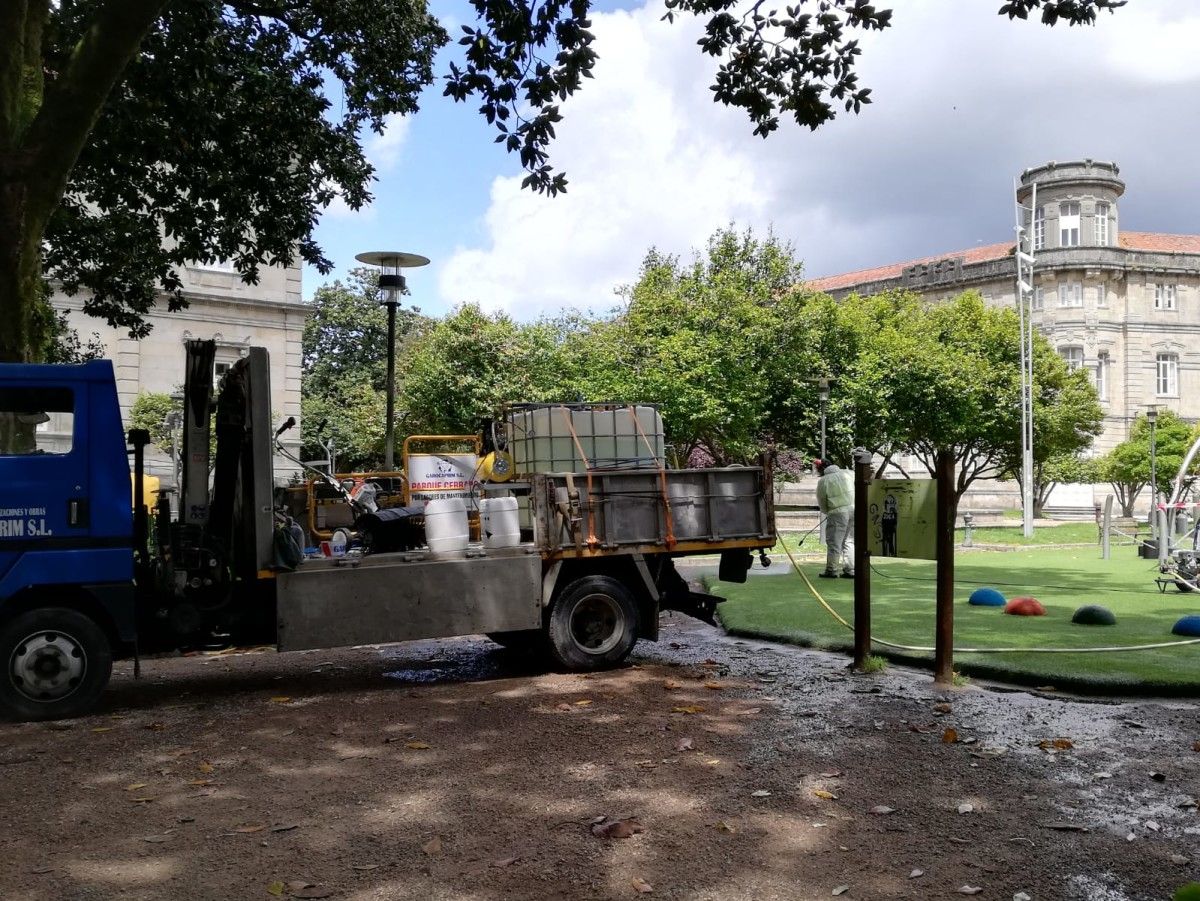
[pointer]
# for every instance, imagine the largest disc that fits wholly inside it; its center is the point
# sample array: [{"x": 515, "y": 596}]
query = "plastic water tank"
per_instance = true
[
  {"x": 499, "y": 522},
  {"x": 446, "y": 529}
]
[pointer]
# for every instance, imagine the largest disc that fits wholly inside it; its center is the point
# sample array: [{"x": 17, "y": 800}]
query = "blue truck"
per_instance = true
[{"x": 90, "y": 574}]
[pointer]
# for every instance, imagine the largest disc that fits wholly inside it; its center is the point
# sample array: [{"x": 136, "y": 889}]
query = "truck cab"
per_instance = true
[{"x": 66, "y": 531}]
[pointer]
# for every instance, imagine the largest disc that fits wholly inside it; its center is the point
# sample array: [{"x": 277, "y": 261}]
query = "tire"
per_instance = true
[
  {"x": 54, "y": 662},
  {"x": 524, "y": 641},
  {"x": 593, "y": 624}
]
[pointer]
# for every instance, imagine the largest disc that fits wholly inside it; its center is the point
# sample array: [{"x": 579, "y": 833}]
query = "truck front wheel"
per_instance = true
[
  {"x": 593, "y": 624},
  {"x": 55, "y": 662}
]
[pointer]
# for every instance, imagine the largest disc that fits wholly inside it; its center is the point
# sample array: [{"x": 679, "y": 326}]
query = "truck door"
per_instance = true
[{"x": 43, "y": 469}]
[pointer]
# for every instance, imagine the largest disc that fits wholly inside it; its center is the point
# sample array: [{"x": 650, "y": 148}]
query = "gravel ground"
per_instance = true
[{"x": 450, "y": 770}]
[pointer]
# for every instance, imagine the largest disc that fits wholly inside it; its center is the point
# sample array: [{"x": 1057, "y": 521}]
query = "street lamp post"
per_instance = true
[
  {"x": 391, "y": 287},
  {"x": 1152, "y": 418},
  {"x": 823, "y": 394}
]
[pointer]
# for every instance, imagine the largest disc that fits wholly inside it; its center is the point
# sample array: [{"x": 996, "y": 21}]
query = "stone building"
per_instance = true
[
  {"x": 222, "y": 308},
  {"x": 1123, "y": 304}
]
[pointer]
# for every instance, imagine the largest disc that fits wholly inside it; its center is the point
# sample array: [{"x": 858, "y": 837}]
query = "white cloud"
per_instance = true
[
  {"x": 383, "y": 150},
  {"x": 964, "y": 100}
]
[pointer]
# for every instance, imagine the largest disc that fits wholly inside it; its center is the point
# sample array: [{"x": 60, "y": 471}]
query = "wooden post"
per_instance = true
[
  {"x": 943, "y": 656},
  {"x": 862, "y": 561}
]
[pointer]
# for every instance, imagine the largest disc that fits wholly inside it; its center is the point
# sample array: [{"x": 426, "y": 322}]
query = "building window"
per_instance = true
[
  {"x": 1039, "y": 298},
  {"x": 1101, "y": 224},
  {"x": 1102, "y": 295},
  {"x": 1167, "y": 372},
  {"x": 1068, "y": 224},
  {"x": 1073, "y": 356},
  {"x": 1070, "y": 294},
  {"x": 1100, "y": 379},
  {"x": 1164, "y": 296},
  {"x": 1039, "y": 228}
]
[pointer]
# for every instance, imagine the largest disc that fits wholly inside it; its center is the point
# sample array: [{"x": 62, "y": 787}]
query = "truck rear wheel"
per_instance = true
[
  {"x": 593, "y": 624},
  {"x": 55, "y": 663}
]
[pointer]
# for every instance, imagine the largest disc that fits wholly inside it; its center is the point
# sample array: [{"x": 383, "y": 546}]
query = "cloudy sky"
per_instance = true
[{"x": 964, "y": 100}]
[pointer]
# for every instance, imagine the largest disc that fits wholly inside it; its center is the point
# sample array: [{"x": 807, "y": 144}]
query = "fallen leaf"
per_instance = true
[
  {"x": 883, "y": 809},
  {"x": 433, "y": 846},
  {"x": 275, "y": 888},
  {"x": 966, "y": 808},
  {"x": 285, "y": 828},
  {"x": 141, "y": 800},
  {"x": 713, "y": 686},
  {"x": 950, "y": 736},
  {"x": 725, "y": 826},
  {"x": 248, "y": 829},
  {"x": 749, "y": 711},
  {"x": 942, "y": 708},
  {"x": 417, "y": 745},
  {"x": 155, "y": 727},
  {"x": 671, "y": 685},
  {"x": 586, "y": 702},
  {"x": 825, "y": 795},
  {"x": 916, "y": 874},
  {"x": 202, "y": 782},
  {"x": 157, "y": 839},
  {"x": 136, "y": 786},
  {"x": 1180, "y": 860},
  {"x": 103, "y": 729},
  {"x": 712, "y": 761},
  {"x": 641, "y": 886},
  {"x": 282, "y": 699},
  {"x": 969, "y": 889},
  {"x": 684, "y": 744},
  {"x": 39, "y": 871},
  {"x": 204, "y": 766},
  {"x": 505, "y": 861},
  {"x": 840, "y": 890},
  {"x": 1101, "y": 775},
  {"x": 564, "y": 706},
  {"x": 833, "y": 774},
  {"x": 1196, "y": 746},
  {"x": 618, "y": 828},
  {"x": 1056, "y": 744},
  {"x": 761, "y": 793},
  {"x": 690, "y": 708},
  {"x": 364, "y": 866}
]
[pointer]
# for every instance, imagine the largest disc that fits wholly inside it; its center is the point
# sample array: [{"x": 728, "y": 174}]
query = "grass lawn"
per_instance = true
[
  {"x": 902, "y": 609},
  {"x": 1064, "y": 533}
]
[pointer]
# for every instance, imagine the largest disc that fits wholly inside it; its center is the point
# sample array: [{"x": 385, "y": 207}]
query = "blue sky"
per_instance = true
[{"x": 964, "y": 101}]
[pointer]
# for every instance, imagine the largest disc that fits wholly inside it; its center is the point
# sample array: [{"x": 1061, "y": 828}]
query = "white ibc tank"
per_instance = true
[
  {"x": 446, "y": 529},
  {"x": 499, "y": 522}
]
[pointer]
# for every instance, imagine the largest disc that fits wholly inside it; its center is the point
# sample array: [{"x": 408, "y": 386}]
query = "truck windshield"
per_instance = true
[{"x": 36, "y": 421}]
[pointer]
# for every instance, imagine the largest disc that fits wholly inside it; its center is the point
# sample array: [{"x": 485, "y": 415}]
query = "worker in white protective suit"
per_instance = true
[{"x": 835, "y": 499}]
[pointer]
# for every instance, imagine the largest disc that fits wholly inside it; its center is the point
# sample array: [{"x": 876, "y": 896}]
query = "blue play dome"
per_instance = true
[
  {"x": 1188, "y": 626},
  {"x": 986, "y": 597}
]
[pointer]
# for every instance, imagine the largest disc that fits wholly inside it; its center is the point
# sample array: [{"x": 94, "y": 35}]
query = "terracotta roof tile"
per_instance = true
[
  {"x": 895, "y": 270},
  {"x": 1147, "y": 241},
  {"x": 1159, "y": 242}
]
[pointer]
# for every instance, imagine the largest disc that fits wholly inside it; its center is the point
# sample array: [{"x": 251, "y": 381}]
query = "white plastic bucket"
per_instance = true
[
  {"x": 446, "y": 530},
  {"x": 499, "y": 522}
]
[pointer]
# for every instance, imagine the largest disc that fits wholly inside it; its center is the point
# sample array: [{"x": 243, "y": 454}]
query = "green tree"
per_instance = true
[
  {"x": 468, "y": 365},
  {"x": 206, "y": 121},
  {"x": 1127, "y": 466},
  {"x": 946, "y": 376},
  {"x": 708, "y": 342},
  {"x": 344, "y": 354},
  {"x": 159, "y": 414}
]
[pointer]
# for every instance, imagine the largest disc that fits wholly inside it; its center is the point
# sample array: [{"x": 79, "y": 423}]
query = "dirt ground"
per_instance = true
[{"x": 449, "y": 770}]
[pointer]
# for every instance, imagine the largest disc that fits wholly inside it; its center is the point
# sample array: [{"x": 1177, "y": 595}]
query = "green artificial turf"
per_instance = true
[
  {"x": 1061, "y": 533},
  {"x": 902, "y": 610}
]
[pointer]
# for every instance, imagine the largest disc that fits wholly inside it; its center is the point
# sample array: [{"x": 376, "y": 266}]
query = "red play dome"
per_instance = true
[{"x": 1025, "y": 607}]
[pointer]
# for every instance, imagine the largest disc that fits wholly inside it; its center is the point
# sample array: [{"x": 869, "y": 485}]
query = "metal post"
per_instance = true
[
  {"x": 943, "y": 656},
  {"x": 968, "y": 530},
  {"x": 862, "y": 560},
  {"x": 389, "y": 443},
  {"x": 1153, "y": 477},
  {"x": 1025, "y": 289},
  {"x": 822, "y": 429},
  {"x": 1106, "y": 530}
]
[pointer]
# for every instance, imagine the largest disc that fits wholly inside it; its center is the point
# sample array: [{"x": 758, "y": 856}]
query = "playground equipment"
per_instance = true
[{"x": 1178, "y": 531}]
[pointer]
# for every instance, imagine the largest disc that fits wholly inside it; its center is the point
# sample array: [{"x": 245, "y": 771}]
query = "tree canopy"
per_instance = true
[{"x": 139, "y": 135}]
